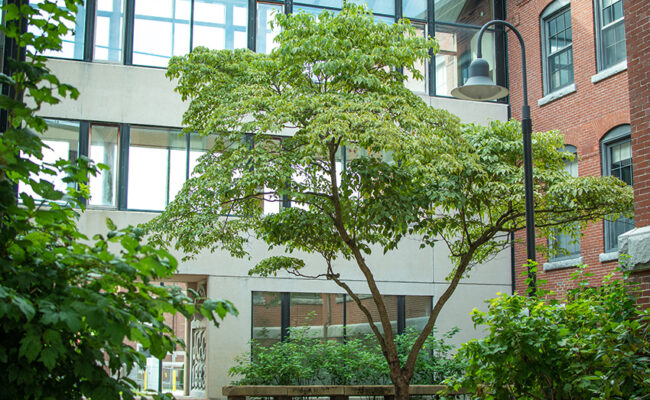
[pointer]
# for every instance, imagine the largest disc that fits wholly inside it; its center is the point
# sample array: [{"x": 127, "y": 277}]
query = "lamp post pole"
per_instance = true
[{"x": 479, "y": 86}]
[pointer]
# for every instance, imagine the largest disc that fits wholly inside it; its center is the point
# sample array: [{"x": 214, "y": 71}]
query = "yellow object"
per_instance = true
[
  {"x": 173, "y": 380},
  {"x": 145, "y": 381}
]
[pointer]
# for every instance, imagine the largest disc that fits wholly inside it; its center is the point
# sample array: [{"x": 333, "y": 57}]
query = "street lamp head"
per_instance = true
[{"x": 479, "y": 86}]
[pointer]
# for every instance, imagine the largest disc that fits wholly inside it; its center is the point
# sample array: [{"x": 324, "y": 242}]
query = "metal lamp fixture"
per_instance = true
[{"x": 480, "y": 87}]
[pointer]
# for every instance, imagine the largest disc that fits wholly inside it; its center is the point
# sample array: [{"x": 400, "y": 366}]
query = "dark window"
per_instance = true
[
  {"x": 557, "y": 47},
  {"x": 610, "y": 32},
  {"x": 617, "y": 161}
]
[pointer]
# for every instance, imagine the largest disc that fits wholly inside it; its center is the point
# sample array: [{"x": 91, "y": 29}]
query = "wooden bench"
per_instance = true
[{"x": 334, "y": 392}]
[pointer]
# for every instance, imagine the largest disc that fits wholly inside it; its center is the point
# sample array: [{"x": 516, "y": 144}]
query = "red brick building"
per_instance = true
[{"x": 587, "y": 78}]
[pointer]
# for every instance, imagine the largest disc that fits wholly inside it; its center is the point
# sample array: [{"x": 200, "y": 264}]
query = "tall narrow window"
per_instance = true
[
  {"x": 157, "y": 167},
  {"x": 220, "y": 24},
  {"x": 557, "y": 46},
  {"x": 566, "y": 245},
  {"x": 265, "y": 33},
  {"x": 104, "y": 148},
  {"x": 109, "y": 24},
  {"x": 617, "y": 161},
  {"x": 610, "y": 32}
]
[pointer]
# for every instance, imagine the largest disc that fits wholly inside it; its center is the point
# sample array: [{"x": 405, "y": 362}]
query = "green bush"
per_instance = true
[
  {"x": 307, "y": 360},
  {"x": 592, "y": 345}
]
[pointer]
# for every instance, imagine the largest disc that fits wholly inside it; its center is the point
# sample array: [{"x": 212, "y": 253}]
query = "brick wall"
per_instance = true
[
  {"x": 637, "y": 17},
  {"x": 584, "y": 116}
]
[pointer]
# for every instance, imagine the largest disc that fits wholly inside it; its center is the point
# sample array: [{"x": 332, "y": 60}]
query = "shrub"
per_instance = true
[
  {"x": 307, "y": 360},
  {"x": 593, "y": 345}
]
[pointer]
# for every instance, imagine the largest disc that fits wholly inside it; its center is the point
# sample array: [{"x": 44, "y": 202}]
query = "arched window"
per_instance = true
[
  {"x": 557, "y": 46},
  {"x": 616, "y": 153}
]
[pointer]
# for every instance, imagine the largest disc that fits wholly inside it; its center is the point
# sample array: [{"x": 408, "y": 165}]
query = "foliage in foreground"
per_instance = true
[
  {"x": 306, "y": 360},
  {"x": 68, "y": 303},
  {"x": 593, "y": 345}
]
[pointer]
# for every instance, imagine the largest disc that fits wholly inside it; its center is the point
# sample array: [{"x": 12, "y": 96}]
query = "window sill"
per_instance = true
[
  {"x": 558, "y": 94},
  {"x": 606, "y": 257},
  {"x": 553, "y": 265},
  {"x": 611, "y": 71}
]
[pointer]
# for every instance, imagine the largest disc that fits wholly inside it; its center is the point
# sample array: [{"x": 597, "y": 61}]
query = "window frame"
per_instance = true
[
  {"x": 553, "y": 10},
  {"x": 617, "y": 135},
  {"x": 599, "y": 29}
]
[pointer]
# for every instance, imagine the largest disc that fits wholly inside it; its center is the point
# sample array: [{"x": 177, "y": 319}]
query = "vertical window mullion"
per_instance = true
[
  {"x": 285, "y": 316},
  {"x": 252, "y": 24},
  {"x": 129, "y": 20},
  {"x": 123, "y": 162},
  {"x": 89, "y": 34},
  {"x": 431, "y": 26},
  {"x": 288, "y": 6},
  {"x": 401, "y": 314},
  {"x": 191, "y": 26}
]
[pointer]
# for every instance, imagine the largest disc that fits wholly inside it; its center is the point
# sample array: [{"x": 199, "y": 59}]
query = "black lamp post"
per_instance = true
[{"x": 480, "y": 86}]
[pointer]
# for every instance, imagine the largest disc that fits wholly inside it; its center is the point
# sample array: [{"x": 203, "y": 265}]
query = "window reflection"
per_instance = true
[
  {"x": 61, "y": 141},
  {"x": 108, "y": 30},
  {"x": 458, "y": 47},
  {"x": 104, "y": 148},
  {"x": 157, "y": 167},
  {"x": 321, "y": 314},
  {"x": 72, "y": 43},
  {"x": 266, "y": 34},
  {"x": 410, "y": 82},
  {"x": 471, "y": 12},
  {"x": 267, "y": 317},
  {"x": 220, "y": 24},
  {"x": 414, "y": 9},
  {"x": 161, "y": 30}
]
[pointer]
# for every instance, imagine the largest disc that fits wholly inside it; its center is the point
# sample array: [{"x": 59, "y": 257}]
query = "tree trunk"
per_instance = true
[{"x": 401, "y": 388}]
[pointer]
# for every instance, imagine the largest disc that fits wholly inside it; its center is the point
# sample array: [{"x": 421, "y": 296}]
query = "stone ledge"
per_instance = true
[
  {"x": 558, "y": 94},
  {"x": 611, "y": 71},
  {"x": 571, "y": 262},
  {"x": 606, "y": 257},
  {"x": 635, "y": 245}
]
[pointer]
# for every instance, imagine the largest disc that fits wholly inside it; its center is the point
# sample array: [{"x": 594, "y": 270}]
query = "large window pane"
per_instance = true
[
  {"x": 378, "y": 6},
  {"x": 418, "y": 86},
  {"x": 618, "y": 162},
  {"x": 266, "y": 34},
  {"x": 61, "y": 140},
  {"x": 267, "y": 317},
  {"x": 157, "y": 167},
  {"x": 322, "y": 3},
  {"x": 418, "y": 309},
  {"x": 104, "y": 148},
  {"x": 199, "y": 145},
  {"x": 321, "y": 314},
  {"x": 458, "y": 47},
  {"x": 108, "y": 30},
  {"x": 356, "y": 322},
  {"x": 414, "y": 9},
  {"x": 473, "y": 12},
  {"x": 220, "y": 24},
  {"x": 559, "y": 50},
  {"x": 161, "y": 30},
  {"x": 72, "y": 45}
]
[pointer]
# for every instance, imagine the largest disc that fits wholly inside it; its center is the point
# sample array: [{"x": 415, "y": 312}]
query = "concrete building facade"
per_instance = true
[{"x": 129, "y": 118}]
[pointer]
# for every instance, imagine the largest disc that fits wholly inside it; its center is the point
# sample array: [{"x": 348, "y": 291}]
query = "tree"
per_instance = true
[
  {"x": 67, "y": 303},
  {"x": 333, "y": 83}
]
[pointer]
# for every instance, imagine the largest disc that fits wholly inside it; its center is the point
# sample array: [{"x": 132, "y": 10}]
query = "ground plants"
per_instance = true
[
  {"x": 68, "y": 302},
  {"x": 593, "y": 344},
  {"x": 306, "y": 360},
  {"x": 281, "y": 121}
]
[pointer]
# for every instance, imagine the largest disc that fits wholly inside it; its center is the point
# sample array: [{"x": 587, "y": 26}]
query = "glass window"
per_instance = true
[
  {"x": 266, "y": 34},
  {"x": 411, "y": 83},
  {"x": 617, "y": 161},
  {"x": 356, "y": 323},
  {"x": 321, "y": 314},
  {"x": 157, "y": 167},
  {"x": 72, "y": 45},
  {"x": 378, "y": 6},
  {"x": 610, "y": 32},
  {"x": 220, "y": 24},
  {"x": 566, "y": 245},
  {"x": 557, "y": 48},
  {"x": 267, "y": 317},
  {"x": 414, "y": 9},
  {"x": 161, "y": 30},
  {"x": 109, "y": 25},
  {"x": 199, "y": 145},
  {"x": 472, "y": 12},
  {"x": 61, "y": 140},
  {"x": 458, "y": 47},
  {"x": 417, "y": 310},
  {"x": 322, "y": 3},
  {"x": 104, "y": 148}
]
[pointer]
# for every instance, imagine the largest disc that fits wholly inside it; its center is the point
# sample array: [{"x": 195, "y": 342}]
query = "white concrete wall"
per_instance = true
[{"x": 139, "y": 95}]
